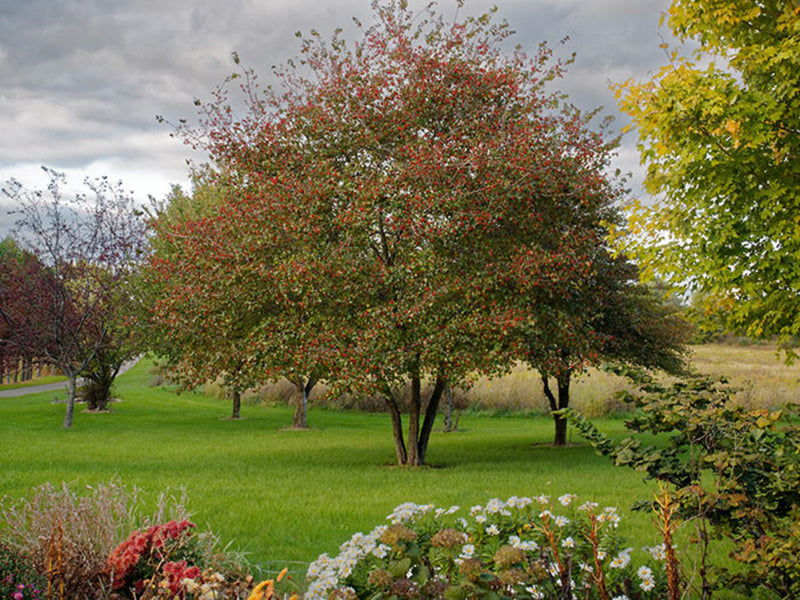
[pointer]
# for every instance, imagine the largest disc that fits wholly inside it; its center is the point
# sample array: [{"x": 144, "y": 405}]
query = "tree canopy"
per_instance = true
[
  {"x": 59, "y": 301},
  {"x": 719, "y": 132},
  {"x": 407, "y": 212}
]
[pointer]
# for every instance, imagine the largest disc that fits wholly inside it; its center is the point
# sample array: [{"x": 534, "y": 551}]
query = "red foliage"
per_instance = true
[
  {"x": 145, "y": 553},
  {"x": 399, "y": 217}
]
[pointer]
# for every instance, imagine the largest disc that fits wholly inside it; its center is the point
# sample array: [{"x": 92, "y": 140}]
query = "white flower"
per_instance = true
[
  {"x": 492, "y": 529},
  {"x": 568, "y": 543},
  {"x": 381, "y": 551},
  {"x": 588, "y": 506},
  {"x": 644, "y": 572},
  {"x": 619, "y": 562},
  {"x": 468, "y": 551},
  {"x": 545, "y": 513},
  {"x": 515, "y": 502},
  {"x": 542, "y": 499},
  {"x": 452, "y": 510},
  {"x": 534, "y": 592},
  {"x": 475, "y": 509},
  {"x": 561, "y": 521},
  {"x": 495, "y": 505},
  {"x": 463, "y": 522},
  {"x": 657, "y": 552},
  {"x": 480, "y": 518},
  {"x": 647, "y": 584},
  {"x": 553, "y": 568},
  {"x": 566, "y": 499}
]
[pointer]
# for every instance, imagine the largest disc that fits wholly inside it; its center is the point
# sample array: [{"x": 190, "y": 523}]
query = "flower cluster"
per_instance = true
[
  {"x": 26, "y": 592},
  {"x": 521, "y": 548},
  {"x": 161, "y": 557}
]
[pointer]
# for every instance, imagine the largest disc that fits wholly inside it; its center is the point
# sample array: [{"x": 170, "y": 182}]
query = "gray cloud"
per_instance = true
[{"x": 83, "y": 80}]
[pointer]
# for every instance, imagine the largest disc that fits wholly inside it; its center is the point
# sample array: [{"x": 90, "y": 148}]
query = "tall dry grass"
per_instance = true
[
  {"x": 758, "y": 370},
  {"x": 763, "y": 378}
]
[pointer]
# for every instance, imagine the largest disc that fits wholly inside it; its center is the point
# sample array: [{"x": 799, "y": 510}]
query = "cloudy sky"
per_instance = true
[{"x": 81, "y": 81}]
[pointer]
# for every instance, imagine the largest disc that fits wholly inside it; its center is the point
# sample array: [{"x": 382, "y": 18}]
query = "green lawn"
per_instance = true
[{"x": 286, "y": 495}]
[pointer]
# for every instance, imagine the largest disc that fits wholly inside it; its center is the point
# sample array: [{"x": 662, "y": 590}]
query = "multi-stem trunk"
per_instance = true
[
  {"x": 413, "y": 454},
  {"x": 303, "y": 389},
  {"x": 556, "y": 404}
]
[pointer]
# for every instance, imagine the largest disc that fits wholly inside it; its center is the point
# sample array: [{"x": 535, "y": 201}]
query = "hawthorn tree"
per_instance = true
[
  {"x": 83, "y": 245},
  {"x": 719, "y": 131},
  {"x": 610, "y": 318},
  {"x": 401, "y": 192},
  {"x": 220, "y": 303}
]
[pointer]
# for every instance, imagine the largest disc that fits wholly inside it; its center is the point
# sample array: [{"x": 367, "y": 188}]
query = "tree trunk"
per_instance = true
[
  {"x": 563, "y": 402},
  {"x": 303, "y": 391},
  {"x": 397, "y": 428},
  {"x": 448, "y": 411},
  {"x": 236, "y": 396},
  {"x": 430, "y": 418},
  {"x": 563, "y": 381},
  {"x": 72, "y": 384},
  {"x": 413, "y": 459}
]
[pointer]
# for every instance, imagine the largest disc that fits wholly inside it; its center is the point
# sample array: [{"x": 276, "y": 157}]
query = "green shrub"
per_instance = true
[
  {"x": 18, "y": 577},
  {"x": 734, "y": 472}
]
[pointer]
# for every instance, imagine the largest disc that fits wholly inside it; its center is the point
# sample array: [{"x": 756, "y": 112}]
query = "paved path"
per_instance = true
[{"x": 60, "y": 386}]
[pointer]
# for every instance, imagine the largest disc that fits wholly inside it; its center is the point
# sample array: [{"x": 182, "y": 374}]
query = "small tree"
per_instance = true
[
  {"x": 84, "y": 243},
  {"x": 608, "y": 316},
  {"x": 398, "y": 200}
]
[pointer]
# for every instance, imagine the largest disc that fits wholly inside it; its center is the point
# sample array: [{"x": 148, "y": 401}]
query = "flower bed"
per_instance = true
[{"x": 519, "y": 548}]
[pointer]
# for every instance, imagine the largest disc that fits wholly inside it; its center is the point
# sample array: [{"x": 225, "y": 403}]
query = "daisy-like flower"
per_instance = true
[
  {"x": 566, "y": 499},
  {"x": 644, "y": 572},
  {"x": 545, "y": 513},
  {"x": 463, "y": 522},
  {"x": 515, "y": 502},
  {"x": 381, "y": 551},
  {"x": 495, "y": 505},
  {"x": 647, "y": 584},
  {"x": 657, "y": 552},
  {"x": 542, "y": 499},
  {"x": 587, "y": 506},
  {"x": 468, "y": 551},
  {"x": 619, "y": 562},
  {"x": 561, "y": 521},
  {"x": 492, "y": 529},
  {"x": 480, "y": 518},
  {"x": 568, "y": 542},
  {"x": 535, "y": 593}
]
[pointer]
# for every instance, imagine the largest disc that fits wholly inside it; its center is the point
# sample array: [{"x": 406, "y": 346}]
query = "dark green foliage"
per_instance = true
[
  {"x": 18, "y": 575},
  {"x": 734, "y": 470}
]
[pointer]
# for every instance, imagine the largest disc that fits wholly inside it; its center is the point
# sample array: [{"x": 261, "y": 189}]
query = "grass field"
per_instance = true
[{"x": 287, "y": 495}]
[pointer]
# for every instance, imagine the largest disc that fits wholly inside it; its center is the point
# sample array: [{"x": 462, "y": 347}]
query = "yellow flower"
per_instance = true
[
  {"x": 263, "y": 591},
  {"x": 266, "y": 589}
]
